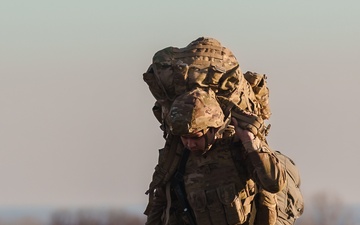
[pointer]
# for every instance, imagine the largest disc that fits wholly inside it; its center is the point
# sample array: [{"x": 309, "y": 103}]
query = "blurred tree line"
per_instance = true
[
  {"x": 96, "y": 218},
  {"x": 327, "y": 209},
  {"x": 324, "y": 209},
  {"x": 82, "y": 217}
]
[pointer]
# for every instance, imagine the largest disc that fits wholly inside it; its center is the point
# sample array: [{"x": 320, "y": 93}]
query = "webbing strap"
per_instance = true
[
  {"x": 227, "y": 108},
  {"x": 168, "y": 203},
  {"x": 248, "y": 119},
  {"x": 252, "y": 213},
  {"x": 181, "y": 169},
  {"x": 219, "y": 48},
  {"x": 192, "y": 54},
  {"x": 246, "y": 97},
  {"x": 164, "y": 172},
  {"x": 179, "y": 189},
  {"x": 171, "y": 164}
]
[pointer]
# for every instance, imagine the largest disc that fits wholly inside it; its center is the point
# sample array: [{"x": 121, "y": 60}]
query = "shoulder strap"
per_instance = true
[
  {"x": 177, "y": 184},
  {"x": 181, "y": 169},
  {"x": 168, "y": 162}
]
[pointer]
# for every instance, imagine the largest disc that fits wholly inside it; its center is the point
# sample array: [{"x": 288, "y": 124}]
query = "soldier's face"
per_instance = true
[{"x": 194, "y": 142}]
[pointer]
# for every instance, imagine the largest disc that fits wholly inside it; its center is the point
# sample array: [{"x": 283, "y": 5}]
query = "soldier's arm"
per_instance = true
[{"x": 264, "y": 166}]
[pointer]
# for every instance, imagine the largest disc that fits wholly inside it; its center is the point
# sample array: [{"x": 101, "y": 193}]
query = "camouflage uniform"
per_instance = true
[{"x": 222, "y": 183}]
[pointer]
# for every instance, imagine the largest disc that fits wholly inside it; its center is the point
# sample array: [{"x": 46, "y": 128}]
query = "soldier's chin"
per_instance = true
[{"x": 197, "y": 152}]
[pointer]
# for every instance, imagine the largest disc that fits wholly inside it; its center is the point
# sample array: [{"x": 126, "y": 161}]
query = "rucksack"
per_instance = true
[
  {"x": 285, "y": 206},
  {"x": 206, "y": 63},
  {"x": 290, "y": 200}
]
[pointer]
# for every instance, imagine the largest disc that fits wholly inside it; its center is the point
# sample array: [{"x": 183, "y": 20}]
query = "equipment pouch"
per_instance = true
[
  {"x": 232, "y": 204},
  {"x": 155, "y": 89},
  {"x": 259, "y": 86},
  {"x": 216, "y": 211},
  {"x": 198, "y": 203}
]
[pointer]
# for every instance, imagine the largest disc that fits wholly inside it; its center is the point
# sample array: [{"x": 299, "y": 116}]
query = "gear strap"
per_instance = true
[
  {"x": 166, "y": 167},
  {"x": 247, "y": 121},
  {"x": 177, "y": 184}
]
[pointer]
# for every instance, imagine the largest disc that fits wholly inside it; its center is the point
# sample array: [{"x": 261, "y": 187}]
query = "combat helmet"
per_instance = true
[{"x": 195, "y": 111}]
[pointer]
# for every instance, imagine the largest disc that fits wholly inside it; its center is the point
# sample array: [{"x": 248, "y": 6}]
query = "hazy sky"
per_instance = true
[{"x": 76, "y": 126}]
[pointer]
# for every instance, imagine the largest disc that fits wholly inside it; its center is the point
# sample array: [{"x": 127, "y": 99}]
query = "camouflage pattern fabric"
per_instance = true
[
  {"x": 221, "y": 187},
  {"x": 217, "y": 193},
  {"x": 259, "y": 86},
  {"x": 206, "y": 64},
  {"x": 195, "y": 111}
]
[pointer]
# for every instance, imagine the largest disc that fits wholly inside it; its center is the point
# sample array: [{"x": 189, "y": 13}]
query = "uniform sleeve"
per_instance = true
[{"x": 265, "y": 168}]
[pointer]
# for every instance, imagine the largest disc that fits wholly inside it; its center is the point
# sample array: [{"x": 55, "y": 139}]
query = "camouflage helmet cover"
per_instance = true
[{"x": 195, "y": 111}]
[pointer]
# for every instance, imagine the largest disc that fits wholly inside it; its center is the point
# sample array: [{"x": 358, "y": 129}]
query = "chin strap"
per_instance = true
[
  {"x": 218, "y": 133},
  {"x": 207, "y": 142}
]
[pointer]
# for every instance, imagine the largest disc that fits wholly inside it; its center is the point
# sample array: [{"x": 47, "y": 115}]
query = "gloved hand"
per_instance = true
[{"x": 245, "y": 120}]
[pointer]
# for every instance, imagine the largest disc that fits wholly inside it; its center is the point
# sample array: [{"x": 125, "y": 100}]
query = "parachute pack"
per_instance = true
[{"x": 205, "y": 63}]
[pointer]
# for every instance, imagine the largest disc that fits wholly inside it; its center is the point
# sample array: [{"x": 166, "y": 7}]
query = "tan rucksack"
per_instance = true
[
  {"x": 290, "y": 201},
  {"x": 204, "y": 63}
]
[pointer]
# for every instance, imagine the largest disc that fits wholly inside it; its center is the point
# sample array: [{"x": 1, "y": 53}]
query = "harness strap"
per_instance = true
[
  {"x": 179, "y": 189},
  {"x": 191, "y": 47},
  {"x": 171, "y": 164},
  {"x": 201, "y": 54},
  {"x": 247, "y": 97},
  {"x": 168, "y": 203}
]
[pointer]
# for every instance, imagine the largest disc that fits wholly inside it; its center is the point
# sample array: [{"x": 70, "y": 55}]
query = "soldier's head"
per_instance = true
[{"x": 196, "y": 116}]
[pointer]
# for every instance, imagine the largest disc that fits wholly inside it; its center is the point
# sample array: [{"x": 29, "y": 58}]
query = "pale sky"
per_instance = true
[{"x": 76, "y": 126}]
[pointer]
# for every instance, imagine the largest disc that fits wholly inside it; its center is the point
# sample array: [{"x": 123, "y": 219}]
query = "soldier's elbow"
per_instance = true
[{"x": 273, "y": 186}]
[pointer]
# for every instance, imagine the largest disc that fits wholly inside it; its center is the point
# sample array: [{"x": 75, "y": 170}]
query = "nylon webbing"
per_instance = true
[
  {"x": 164, "y": 172},
  {"x": 219, "y": 48},
  {"x": 192, "y": 54},
  {"x": 171, "y": 164},
  {"x": 181, "y": 169}
]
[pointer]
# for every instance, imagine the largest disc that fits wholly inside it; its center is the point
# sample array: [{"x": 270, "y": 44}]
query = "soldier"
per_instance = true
[{"x": 221, "y": 168}]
